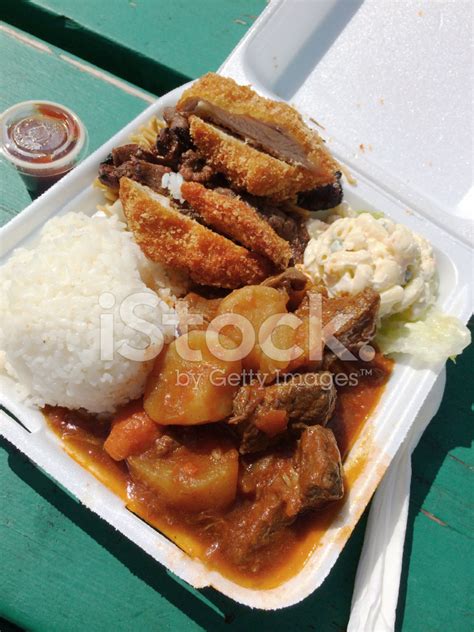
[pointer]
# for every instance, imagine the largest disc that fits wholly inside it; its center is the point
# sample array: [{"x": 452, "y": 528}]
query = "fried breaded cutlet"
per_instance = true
[
  {"x": 273, "y": 126},
  {"x": 236, "y": 219},
  {"x": 248, "y": 168},
  {"x": 167, "y": 236}
]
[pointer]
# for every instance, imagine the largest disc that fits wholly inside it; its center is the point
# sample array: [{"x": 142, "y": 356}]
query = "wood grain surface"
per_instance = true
[
  {"x": 157, "y": 44},
  {"x": 32, "y": 69}
]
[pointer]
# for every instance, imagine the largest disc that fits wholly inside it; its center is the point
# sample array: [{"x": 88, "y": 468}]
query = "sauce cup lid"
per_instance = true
[{"x": 36, "y": 136}]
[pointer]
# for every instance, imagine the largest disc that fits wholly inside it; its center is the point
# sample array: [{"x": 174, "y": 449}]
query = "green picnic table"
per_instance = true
[{"x": 61, "y": 567}]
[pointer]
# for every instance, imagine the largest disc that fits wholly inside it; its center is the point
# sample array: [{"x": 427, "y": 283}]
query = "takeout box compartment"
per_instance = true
[
  {"x": 382, "y": 435},
  {"x": 388, "y": 81}
]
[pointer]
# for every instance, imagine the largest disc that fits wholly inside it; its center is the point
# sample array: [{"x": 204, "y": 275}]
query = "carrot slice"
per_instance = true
[
  {"x": 272, "y": 422},
  {"x": 133, "y": 432}
]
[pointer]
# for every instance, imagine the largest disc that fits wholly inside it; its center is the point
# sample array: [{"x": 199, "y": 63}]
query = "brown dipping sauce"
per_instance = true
[
  {"x": 83, "y": 437},
  {"x": 43, "y": 141}
]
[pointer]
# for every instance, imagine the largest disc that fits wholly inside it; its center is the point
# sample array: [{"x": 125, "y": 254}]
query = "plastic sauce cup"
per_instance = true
[{"x": 43, "y": 141}]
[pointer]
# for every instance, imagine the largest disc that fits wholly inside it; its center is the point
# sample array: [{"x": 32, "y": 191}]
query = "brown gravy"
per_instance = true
[{"x": 83, "y": 437}]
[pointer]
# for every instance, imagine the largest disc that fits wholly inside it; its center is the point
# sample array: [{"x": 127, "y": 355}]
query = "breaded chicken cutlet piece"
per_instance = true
[
  {"x": 248, "y": 168},
  {"x": 273, "y": 126},
  {"x": 167, "y": 236},
  {"x": 236, "y": 219}
]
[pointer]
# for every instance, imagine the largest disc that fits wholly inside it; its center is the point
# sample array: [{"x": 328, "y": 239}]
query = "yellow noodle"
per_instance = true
[
  {"x": 111, "y": 195},
  {"x": 146, "y": 135},
  {"x": 298, "y": 210}
]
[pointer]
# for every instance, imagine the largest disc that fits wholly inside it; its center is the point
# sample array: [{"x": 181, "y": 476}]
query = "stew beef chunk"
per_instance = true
[
  {"x": 280, "y": 486},
  {"x": 264, "y": 415},
  {"x": 354, "y": 317}
]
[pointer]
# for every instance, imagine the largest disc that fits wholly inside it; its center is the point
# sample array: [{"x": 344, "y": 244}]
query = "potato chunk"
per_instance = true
[
  {"x": 185, "y": 391},
  {"x": 194, "y": 472},
  {"x": 196, "y": 312},
  {"x": 258, "y": 304}
]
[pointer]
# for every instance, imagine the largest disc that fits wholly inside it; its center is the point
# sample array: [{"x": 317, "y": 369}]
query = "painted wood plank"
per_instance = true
[
  {"x": 31, "y": 69},
  {"x": 156, "y": 44}
]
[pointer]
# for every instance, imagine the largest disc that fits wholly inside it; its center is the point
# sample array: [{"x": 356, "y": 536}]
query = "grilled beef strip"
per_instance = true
[
  {"x": 124, "y": 153},
  {"x": 288, "y": 226},
  {"x": 178, "y": 124},
  {"x": 174, "y": 139},
  {"x": 169, "y": 148},
  {"x": 193, "y": 167},
  {"x": 323, "y": 197},
  {"x": 132, "y": 161},
  {"x": 107, "y": 174},
  {"x": 141, "y": 171}
]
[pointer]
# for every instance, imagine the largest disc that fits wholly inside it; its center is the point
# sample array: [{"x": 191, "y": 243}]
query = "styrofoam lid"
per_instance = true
[{"x": 390, "y": 80}]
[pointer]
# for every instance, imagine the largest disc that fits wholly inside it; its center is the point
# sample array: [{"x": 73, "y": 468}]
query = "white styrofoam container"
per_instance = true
[{"x": 280, "y": 57}]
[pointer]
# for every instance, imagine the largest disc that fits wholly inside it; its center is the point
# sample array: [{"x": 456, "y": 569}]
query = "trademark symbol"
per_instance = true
[{"x": 365, "y": 372}]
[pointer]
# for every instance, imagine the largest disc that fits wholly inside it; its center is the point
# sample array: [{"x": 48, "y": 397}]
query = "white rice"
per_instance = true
[
  {"x": 55, "y": 337},
  {"x": 173, "y": 181},
  {"x": 164, "y": 280}
]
